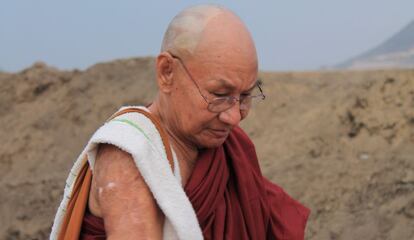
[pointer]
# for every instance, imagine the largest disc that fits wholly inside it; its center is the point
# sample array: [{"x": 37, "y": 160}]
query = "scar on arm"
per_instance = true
[{"x": 126, "y": 203}]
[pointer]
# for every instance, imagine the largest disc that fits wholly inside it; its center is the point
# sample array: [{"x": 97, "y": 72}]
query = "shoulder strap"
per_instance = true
[
  {"x": 72, "y": 222},
  {"x": 158, "y": 126}
]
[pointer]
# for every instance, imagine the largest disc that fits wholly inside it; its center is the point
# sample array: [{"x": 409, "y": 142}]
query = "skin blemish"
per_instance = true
[{"x": 109, "y": 186}]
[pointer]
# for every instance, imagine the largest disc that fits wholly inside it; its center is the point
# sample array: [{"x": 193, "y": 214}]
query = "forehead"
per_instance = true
[
  {"x": 225, "y": 54},
  {"x": 221, "y": 71}
]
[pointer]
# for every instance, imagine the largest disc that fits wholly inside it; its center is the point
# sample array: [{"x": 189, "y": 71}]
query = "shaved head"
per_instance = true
[
  {"x": 185, "y": 30},
  {"x": 195, "y": 24}
]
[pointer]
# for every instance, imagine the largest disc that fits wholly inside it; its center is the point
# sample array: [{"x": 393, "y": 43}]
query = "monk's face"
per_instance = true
[{"x": 224, "y": 64}]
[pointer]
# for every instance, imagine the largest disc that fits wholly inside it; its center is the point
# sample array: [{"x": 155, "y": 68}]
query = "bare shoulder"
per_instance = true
[
  {"x": 113, "y": 168},
  {"x": 114, "y": 164},
  {"x": 121, "y": 196}
]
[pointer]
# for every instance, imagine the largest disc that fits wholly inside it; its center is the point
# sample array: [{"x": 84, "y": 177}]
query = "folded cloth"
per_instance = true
[
  {"x": 137, "y": 133},
  {"x": 233, "y": 200}
]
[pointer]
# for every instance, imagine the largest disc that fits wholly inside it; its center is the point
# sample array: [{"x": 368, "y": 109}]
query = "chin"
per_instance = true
[
  {"x": 210, "y": 145},
  {"x": 210, "y": 142}
]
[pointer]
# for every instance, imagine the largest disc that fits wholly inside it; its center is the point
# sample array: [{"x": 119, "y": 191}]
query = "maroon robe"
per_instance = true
[{"x": 231, "y": 197}]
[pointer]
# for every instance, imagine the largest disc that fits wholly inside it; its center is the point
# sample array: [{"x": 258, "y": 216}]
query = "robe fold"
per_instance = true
[{"x": 231, "y": 197}]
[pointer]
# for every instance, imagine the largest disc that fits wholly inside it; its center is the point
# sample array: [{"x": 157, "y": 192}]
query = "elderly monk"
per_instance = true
[{"x": 207, "y": 80}]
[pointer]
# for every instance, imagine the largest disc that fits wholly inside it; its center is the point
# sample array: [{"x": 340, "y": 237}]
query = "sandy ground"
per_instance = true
[{"x": 342, "y": 143}]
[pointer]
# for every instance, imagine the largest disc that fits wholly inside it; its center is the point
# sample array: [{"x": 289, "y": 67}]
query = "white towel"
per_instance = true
[{"x": 136, "y": 134}]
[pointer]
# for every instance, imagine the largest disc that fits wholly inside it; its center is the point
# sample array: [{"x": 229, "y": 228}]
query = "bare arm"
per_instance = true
[{"x": 122, "y": 197}]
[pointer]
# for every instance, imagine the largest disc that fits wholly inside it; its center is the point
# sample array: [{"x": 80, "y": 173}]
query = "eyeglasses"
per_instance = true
[{"x": 221, "y": 104}]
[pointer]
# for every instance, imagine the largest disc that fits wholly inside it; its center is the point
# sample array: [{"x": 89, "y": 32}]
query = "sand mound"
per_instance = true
[{"x": 340, "y": 142}]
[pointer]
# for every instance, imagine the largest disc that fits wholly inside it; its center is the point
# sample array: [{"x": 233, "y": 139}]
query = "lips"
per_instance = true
[{"x": 220, "y": 133}]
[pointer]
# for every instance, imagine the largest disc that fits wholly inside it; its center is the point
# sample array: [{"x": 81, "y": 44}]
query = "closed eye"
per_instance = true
[
  {"x": 220, "y": 94},
  {"x": 246, "y": 94}
]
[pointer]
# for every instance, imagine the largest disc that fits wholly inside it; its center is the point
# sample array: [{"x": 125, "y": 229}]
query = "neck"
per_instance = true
[{"x": 186, "y": 153}]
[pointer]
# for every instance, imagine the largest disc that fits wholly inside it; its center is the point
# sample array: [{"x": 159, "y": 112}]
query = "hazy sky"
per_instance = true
[{"x": 289, "y": 35}]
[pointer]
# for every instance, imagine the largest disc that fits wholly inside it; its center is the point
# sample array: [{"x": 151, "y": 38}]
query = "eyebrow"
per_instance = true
[
  {"x": 230, "y": 86},
  {"x": 226, "y": 84}
]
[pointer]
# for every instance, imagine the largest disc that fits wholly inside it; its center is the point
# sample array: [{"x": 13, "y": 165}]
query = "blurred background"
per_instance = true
[{"x": 336, "y": 130}]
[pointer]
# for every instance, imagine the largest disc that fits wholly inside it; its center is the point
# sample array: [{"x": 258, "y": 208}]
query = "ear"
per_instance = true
[{"x": 164, "y": 68}]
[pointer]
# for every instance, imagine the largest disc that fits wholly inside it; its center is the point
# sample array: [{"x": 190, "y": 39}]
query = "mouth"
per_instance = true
[{"x": 219, "y": 133}]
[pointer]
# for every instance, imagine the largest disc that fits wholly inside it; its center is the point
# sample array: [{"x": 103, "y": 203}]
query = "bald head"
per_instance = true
[
  {"x": 201, "y": 28},
  {"x": 185, "y": 30}
]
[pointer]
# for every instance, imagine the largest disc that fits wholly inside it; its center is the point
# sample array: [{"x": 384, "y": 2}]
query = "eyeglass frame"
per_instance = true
[{"x": 233, "y": 99}]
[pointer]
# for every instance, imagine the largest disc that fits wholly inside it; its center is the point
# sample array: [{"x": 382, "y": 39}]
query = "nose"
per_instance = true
[{"x": 231, "y": 116}]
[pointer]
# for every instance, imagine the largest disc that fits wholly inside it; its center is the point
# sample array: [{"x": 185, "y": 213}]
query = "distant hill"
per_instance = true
[{"x": 396, "y": 52}]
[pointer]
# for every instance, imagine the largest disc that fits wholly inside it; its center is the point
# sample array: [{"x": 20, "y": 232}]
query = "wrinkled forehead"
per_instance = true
[
  {"x": 223, "y": 61},
  {"x": 225, "y": 72}
]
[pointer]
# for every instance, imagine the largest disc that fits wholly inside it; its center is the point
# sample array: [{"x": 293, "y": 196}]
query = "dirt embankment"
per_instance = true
[{"x": 342, "y": 143}]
